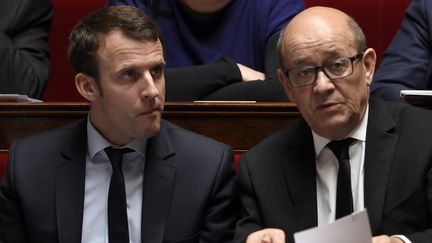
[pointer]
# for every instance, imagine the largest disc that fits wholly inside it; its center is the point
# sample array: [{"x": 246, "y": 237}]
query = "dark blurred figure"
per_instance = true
[
  {"x": 124, "y": 174},
  {"x": 24, "y": 54},
  {"x": 407, "y": 62}
]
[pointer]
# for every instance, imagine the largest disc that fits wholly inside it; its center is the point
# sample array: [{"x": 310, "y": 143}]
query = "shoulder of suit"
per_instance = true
[
  {"x": 57, "y": 133},
  {"x": 281, "y": 139},
  {"x": 175, "y": 131},
  {"x": 399, "y": 109}
]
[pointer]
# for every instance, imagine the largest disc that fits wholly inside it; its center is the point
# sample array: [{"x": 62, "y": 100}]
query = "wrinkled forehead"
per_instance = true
[
  {"x": 317, "y": 36},
  {"x": 315, "y": 50}
]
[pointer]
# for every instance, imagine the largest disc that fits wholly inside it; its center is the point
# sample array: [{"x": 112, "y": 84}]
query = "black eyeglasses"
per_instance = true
[{"x": 307, "y": 75}]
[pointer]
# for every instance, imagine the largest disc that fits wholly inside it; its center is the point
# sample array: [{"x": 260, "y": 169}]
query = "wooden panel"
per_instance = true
[{"x": 240, "y": 125}]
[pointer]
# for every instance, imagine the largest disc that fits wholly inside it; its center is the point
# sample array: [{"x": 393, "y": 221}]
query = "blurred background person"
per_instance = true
[
  {"x": 407, "y": 61},
  {"x": 232, "y": 41},
  {"x": 24, "y": 53}
]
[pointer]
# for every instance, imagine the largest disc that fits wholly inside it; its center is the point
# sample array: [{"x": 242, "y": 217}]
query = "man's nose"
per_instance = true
[
  {"x": 323, "y": 82},
  {"x": 149, "y": 89}
]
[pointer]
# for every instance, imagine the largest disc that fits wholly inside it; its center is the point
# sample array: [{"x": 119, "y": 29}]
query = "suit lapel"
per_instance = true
[
  {"x": 159, "y": 174},
  {"x": 300, "y": 175},
  {"x": 70, "y": 186},
  {"x": 380, "y": 147}
]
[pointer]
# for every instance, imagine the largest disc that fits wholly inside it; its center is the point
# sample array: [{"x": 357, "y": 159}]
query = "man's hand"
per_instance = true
[
  {"x": 249, "y": 74},
  {"x": 386, "y": 239},
  {"x": 267, "y": 236}
]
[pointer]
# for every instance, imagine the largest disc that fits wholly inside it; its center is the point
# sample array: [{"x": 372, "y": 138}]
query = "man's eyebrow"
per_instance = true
[
  {"x": 327, "y": 54},
  {"x": 300, "y": 62},
  {"x": 159, "y": 63},
  {"x": 336, "y": 52}
]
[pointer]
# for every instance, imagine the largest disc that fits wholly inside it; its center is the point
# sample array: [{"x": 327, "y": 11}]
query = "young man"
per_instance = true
[{"x": 166, "y": 184}]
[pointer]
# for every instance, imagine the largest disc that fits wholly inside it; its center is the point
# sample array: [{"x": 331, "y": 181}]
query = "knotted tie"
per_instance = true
[
  {"x": 344, "y": 200},
  {"x": 118, "y": 230}
]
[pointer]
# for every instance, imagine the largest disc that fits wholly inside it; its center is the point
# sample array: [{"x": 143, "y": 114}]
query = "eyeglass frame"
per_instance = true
[{"x": 321, "y": 67}]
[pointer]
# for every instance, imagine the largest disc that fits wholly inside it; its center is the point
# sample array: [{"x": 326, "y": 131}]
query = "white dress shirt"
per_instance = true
[
  {"x": 327, "y": 168},
  {"x": 97, "y": 179}
]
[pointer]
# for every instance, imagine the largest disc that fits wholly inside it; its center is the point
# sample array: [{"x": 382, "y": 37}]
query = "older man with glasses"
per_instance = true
[{"x": 347, "y": 153}]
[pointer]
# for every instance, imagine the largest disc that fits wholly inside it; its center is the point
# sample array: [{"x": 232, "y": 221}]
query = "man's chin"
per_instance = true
[{"x": 151, "y": 131}]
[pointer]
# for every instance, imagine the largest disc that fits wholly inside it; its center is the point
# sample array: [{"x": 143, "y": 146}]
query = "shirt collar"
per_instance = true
[
  {"x": 96, "y": 143},
  {"x": 359, "y": 133}
]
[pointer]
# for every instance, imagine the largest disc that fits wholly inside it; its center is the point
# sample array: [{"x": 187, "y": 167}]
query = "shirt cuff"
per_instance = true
[{"x": 402, "y": 237}]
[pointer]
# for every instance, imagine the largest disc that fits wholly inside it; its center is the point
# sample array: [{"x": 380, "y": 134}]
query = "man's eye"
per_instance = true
[
  {"x": 336, "y": 65},
  {"x": 304, "y": 72},
  {"x": 156, "y": 71},
  {"x": 128, "y": 74}
]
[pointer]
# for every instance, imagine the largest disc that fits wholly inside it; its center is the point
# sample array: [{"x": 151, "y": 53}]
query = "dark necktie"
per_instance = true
[
  {"x": 344, "y": 200},
  {"x": 118, "y": 230}
]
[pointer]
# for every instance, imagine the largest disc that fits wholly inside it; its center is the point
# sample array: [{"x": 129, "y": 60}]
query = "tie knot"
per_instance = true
[
  {"x": 115, "y": 155},
  {"x": 340, "y": 147}
]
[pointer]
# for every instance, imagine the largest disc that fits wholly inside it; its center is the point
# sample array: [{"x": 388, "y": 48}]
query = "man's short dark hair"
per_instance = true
[{"x": 86, "y": 36}]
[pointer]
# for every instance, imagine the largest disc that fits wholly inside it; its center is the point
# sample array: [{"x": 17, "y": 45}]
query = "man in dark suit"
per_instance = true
[
  {"x": 407, "y": 64},
  {"x": 175, "y": 186},
  {"x": 297, "y": 179},
  {"x": 24, "y": 55}
]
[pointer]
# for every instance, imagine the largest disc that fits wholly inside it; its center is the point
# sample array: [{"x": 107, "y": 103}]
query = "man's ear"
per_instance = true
[
  {"x": 86, "y": 86},
  {"x": 284, "y": 81},
  {"x": 369, "y": 61}
]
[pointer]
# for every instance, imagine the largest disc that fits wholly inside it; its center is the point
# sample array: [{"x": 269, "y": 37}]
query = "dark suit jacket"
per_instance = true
[
  {"x": 407, "y": 64},
  {"x": 223, "y": 81},
  {"x": 24, "y": 62},
  {"x": 188, "y": 194},
  {"x": 277, "y": 178}
]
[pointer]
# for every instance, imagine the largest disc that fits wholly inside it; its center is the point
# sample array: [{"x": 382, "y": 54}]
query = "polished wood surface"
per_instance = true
[{"x": 239, "y": 124}]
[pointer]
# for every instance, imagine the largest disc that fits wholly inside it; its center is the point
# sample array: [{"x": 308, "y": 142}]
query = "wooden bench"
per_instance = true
[{"x": 241, "y": 125}]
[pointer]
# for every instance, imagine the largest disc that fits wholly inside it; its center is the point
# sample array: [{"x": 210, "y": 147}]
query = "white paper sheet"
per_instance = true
[{"x": 353, "y": 228}]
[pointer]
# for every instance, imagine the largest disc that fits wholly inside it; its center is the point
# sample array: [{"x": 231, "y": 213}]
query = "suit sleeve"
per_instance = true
[
  {"x": 426, "y": 235},
  {"x": 197, "y": 82},
  {"x": 268, "y": 89},
  {"x": 24, "y": 31},
  {"x": 250, "y": 217},
  {"x": 406, "y": 64},
  {"x": 223, "y": 209},
  {"x": 12, "y": 226},
  {"x": 223, "y": 81}
]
